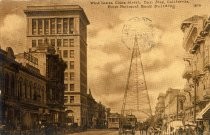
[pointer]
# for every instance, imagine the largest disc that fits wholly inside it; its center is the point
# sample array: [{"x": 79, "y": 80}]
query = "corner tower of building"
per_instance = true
[{"x": 65, "y": 28}]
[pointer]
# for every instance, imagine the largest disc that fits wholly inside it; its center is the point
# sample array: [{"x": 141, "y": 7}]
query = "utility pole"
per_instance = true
[
  {"x": 177, "y": 106},
  {"x": 195, "y": 97}
]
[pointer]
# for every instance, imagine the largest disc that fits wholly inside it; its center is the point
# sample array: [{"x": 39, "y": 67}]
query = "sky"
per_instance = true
[{"x": 108, "y": 56}]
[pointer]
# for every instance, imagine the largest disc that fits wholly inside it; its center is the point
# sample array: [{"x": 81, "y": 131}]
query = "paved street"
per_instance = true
[{"x": 101, "y": 132}]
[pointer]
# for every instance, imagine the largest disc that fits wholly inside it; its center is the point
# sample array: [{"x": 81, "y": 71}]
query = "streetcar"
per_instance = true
[{"x": 113, "y": 121}]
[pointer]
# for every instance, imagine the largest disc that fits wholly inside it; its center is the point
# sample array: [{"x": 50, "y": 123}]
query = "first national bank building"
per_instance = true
[{"x": 65, "y": 28}]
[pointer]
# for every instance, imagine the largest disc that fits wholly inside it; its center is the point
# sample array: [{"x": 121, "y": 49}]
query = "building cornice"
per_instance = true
[{"x": 56, "y": 8}]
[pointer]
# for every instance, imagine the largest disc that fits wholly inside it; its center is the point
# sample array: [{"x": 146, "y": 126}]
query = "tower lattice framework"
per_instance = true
[{"x": 136, "y": 98}]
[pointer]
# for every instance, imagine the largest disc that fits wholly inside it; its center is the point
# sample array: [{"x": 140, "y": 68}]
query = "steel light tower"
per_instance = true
[{"x": 138, "y": 36}]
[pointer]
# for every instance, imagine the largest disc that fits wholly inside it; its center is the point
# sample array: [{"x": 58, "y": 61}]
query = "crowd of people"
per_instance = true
[{"x": 187, "y": 130}]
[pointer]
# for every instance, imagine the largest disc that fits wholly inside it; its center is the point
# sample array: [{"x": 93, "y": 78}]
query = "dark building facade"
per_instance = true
[
  {"x": 96, "y": 113},
  {"x": 28, "y": 98},
  {"x": 55, "y": 86},
  {"x": 91, "y": 111},
  {"x": 23, "y": 88}
]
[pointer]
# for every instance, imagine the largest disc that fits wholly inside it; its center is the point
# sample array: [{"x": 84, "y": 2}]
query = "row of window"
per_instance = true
[
  {"x": 70, "y": 64},
  {"x": 70, "y": 87},
  {"x": 71, "y": 76},
  {"x": 54, "y": 42},
  {"x": 113, "y": 119},
  {"x": 71, "y": 100},
  {"x": 68, "y": 53},
  {"x": 25, "y": 89},
  {"x": 52, "y": 26}
]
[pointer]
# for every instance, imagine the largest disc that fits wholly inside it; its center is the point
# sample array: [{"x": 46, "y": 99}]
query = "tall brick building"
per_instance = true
[{"x": 65, "y": 28}]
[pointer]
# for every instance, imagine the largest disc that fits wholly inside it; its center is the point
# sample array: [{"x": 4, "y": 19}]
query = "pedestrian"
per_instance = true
[
  {"x": 191, "y": 131},
  {"x": 180, "y": 131}
]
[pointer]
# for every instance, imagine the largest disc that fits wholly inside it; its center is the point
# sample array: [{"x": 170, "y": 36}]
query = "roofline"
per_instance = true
[{"x": 56, "y": 8}]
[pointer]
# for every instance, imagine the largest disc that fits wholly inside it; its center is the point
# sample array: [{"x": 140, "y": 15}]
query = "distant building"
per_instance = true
[
  {"x": 170, "y": 110},
  {"x": 171, "y": 104},
  {"x": 101, "y": 121},
  {"x": 96, "y": 113},
  {"x": 65, "y": 28},
  {"x": 160, "y": 106},
  {"x": 91, "y": 111}
]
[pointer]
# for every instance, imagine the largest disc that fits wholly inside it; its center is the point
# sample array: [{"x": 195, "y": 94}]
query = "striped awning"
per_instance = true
[{"x": 203, "y": 114}]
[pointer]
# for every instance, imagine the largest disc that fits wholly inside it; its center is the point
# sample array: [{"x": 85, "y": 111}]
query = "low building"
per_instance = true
[
  {"x": 173, "y": 113},
  {"x": 96, "y": 113},
  {"x": 101, "y": 119},
  {"x": 160, "y": 106},
  {"x": 52, "y": 67},
  {"x": 159, "y": 111},
  {"x": 30, "y": 98},
  {"x": 91, "y": 112},
  {"x": 171, "y": 104},
  {"x": 23, "y": 93}
]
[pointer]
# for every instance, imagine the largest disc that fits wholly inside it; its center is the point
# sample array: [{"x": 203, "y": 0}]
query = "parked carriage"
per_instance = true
[{"x": 128, "y": 125}]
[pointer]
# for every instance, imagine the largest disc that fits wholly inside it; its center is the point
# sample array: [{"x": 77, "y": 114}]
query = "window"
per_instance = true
[
  {"x": 67, "y": 64},
  {"x": 66, "y": 87},
  {"x": 66, "y": 76},
  {"x": 26, "y": 89},
  {"x": 33, "y": 43},
  {"x": 71, "y": 42},
  {"x": 52, "y": 42},
  {"x": 65, "y": 25},
  {"x": 59, "y": 42},
  {"x": 46, "y": 26},
  {"x": 71, "y": 99},
  {"x": 181, "y": 105},
  {"x": 42, "y": 95},
  {"x": 46, "y": 41},
  {"x": 30, "y": 90},
  {"x": 12, "y": 83},
  {"x": 65, "y": 53},
  {"x": 39, "y": 26},
  {"x": 65, "y": 99},
  {"x": 206, "y": 53},
  {"x": 71, "y": 64},
  {"x": 71, "y": 75},
  {"x": 33, "y": 26},
  {"x": 19, "y": 93},
  {"x": 40, "y": 42},
  {"x": 65, "y": 43},
  {"x": 59, "y": 52},
  {"x": 71, "y": 87},
  {"x": 59, "y": 24},
  {"x": 52, "y": 28},
  {"x": 71, "y": 25},
  {"x": 1, "y": 81},
  {"x": 71, "y": 54}
]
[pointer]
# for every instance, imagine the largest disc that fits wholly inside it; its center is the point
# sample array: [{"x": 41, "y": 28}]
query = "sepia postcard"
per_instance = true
[{"x": 104, "y": 67}]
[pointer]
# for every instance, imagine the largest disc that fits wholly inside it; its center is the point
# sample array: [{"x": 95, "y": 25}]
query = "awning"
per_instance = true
[
  {"x": 205, "y": 113},
  {"x": 189, "y": 123}
]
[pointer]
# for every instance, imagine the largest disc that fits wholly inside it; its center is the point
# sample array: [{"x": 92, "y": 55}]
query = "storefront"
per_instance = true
[{"x": 203, "y": 119}]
